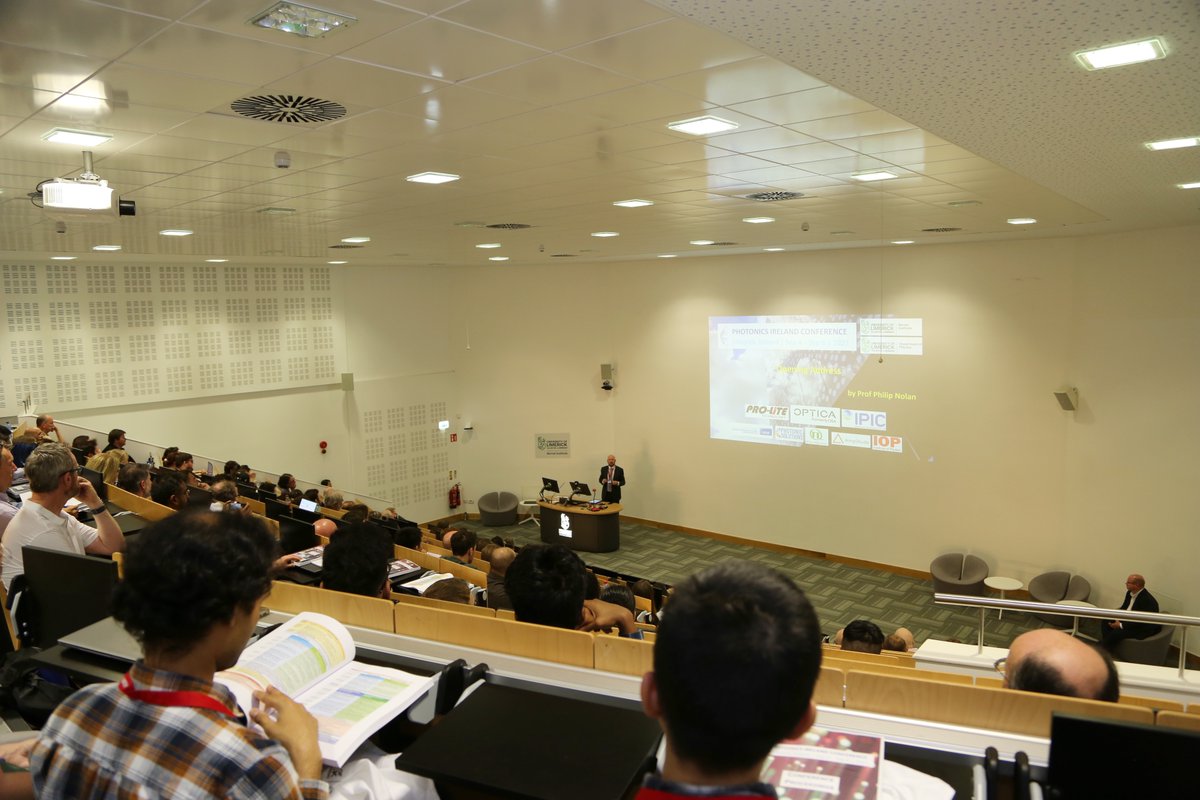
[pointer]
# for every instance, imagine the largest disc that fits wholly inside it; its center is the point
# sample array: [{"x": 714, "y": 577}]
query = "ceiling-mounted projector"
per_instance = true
[{"x": 83, "y": 195}]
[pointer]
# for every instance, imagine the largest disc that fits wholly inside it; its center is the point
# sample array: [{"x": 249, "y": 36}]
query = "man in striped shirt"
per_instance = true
[{"x": 193, "y": 587}]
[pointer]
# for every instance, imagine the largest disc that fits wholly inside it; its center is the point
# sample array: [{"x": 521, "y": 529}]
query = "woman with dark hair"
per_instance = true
[
  {"x": 84, "y": 448},
  {"x": 286, "y": 482}
]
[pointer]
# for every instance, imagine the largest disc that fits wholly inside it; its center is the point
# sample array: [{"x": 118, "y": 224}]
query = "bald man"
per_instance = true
[
  {"x": 497, "y": 592},
  {"x": 612, "y": 478},
  {"x": 1053, "y": 662},
  {"x": 1113, "y": 632}
]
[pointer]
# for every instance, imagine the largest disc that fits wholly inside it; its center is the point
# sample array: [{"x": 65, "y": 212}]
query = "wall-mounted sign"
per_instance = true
[{"x": 552, "y": 445}]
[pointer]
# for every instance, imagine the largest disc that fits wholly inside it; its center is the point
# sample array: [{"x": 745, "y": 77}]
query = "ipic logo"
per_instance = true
[
  {"x": 892, "y": 444},
  {"x": 766, "y": 412},
  {"x": 864, "y": 420}
]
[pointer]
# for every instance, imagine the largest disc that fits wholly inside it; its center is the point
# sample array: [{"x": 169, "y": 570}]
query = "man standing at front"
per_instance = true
[
  {"x": 1113, "y": 632},
  {"x": 612, "y": 478},
  {"x": 53, "y": 475}
]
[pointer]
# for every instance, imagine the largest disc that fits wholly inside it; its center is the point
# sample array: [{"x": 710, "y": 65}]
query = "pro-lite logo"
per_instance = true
[{"x": 564, "y": 526}]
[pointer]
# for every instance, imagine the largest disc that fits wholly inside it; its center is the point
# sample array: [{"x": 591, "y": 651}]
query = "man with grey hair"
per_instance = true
[
  {"x": 9, "y": 504},
  {"x": 53, "y": 475},
  {"x": 1053, "y": 662},
  {"x": 43, "y": 427}
]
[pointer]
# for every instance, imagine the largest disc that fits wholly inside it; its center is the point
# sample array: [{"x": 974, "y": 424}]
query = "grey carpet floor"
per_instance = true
[{"x": 839, "y": 592}]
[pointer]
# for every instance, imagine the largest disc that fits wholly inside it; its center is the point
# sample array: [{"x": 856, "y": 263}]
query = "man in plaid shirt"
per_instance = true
[{"x": 193, "y": 587}]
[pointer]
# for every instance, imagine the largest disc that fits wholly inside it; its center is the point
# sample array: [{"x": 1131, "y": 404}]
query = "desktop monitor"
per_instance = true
[
  {"x": 200, "y": 496},
  {"x": 247, "y": 490},
  {"x": 96, "y": 479},
  {"x": 549, "y": 485},
  {"x": 275, "y": 508},
  {"x": 579, "y": 487},
  {"x": 296, "y": 535},
  {"x": 1154, "y": 761},
  {"x": 69, "y": 592}
]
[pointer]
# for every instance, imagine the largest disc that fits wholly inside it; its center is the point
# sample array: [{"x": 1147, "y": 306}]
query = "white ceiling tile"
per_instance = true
[
  {"x": 197, "y": 51},
  {"x": 551, "y": 80},
  {"x": 443, "y": 50},
  {"x": 642, "y": 52},
  {"x": 554, "y": 26},
  {"x": 803, "y": 106},
  {"x": 78, "y": 28}
]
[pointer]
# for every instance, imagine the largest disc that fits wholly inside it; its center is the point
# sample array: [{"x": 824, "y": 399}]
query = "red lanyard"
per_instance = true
[{"x": 184, "y": 699}]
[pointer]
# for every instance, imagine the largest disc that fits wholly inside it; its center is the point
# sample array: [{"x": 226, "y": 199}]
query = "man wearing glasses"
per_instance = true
[{"x": 53, "y": 475}]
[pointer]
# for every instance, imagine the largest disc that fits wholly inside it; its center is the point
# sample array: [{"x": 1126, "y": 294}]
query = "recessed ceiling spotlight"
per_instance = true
[
  {"x": 432, "y": 177},
  {"x": 107, "y": 247},
  {"x": 758, "y": 220},
  {"x": 336, "y": 262},
  {"x": 877, "y": 175},
  {"x": 216, "y": 260},
  {"x": 175, "y": 232},
  {"x": 356, "y": 240},
  {"x": 84, "y": 138},
  {"x": 702, "y": 126},
  {"x": 1195, "y": 185},
  {"x": 702, "y": 241},
  {"x": 841, "y": 233},
  {"x": 277, "y": 211},
  {"x": 311, "y": 23},
  {"x": 1021, "y": 221},
  {"x": 964, "y": 203},
  {"x": 1174, "y": 144},
  {"x": 497, "y": 258},
  {"x": 902, "y": 241},
  {"x": 488, "y": 245},
  {"x": 63, "y": 258},
  {"x": 1121, "y": 54},
  {"x": 635, "y": 203},
  {"x": 668, "y": 255},
  {"x": 773, "y": 249},
  {"x": 605, "y": 234}
]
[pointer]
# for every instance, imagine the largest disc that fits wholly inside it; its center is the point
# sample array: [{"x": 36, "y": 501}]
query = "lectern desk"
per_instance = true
[{"x": 580, "y": 528}]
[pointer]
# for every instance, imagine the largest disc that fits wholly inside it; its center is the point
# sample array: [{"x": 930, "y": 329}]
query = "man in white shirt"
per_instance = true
[
  {"x": 9, "y": 504},
  {"x": 54, "y": 479}
]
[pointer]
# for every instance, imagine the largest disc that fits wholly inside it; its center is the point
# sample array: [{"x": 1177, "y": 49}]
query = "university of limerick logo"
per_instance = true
[
  {"x": 565, "y": 522},
  {"x": 541, "y": 443}
]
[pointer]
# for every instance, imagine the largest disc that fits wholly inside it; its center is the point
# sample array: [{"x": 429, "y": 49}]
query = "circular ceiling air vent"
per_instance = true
[
  {"x": 772, "y": 197},
  {"x": 940, "y": 230},
  {"x": 288, "y": 108},
  {"x": 510, "y": 226}
]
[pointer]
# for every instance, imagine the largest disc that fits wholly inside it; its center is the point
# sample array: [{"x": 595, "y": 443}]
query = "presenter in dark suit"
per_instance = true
[
  {"x": 612, "y": 478},
  {"x": 1137, "y": 598}
]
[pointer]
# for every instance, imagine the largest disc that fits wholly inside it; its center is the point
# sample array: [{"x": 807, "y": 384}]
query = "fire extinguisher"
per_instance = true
[{"x": 456, "y": 495}]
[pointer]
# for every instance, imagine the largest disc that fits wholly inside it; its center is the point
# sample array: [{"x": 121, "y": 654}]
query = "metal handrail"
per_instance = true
[{"x": 1066, "y": 610}]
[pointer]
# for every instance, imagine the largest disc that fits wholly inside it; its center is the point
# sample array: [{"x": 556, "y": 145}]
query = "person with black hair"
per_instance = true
[
  {"x": 546, "y": 584},
  {"x": 356, "y": 561},
  {"x": 169, "y": 490},
  {"x": 116, "y": 440},
  {"x": 735, "y": 663},
  {"x": 862, "y": 636},
  {"x": 407, "y": 536},
  {"x": 193, "y": 587},
  {"x": 462, "y": 545},
  {"x": 84, "y": 447},
  {"x": 135, "y": 479},
  {"x": 286, "y": 482},
  {"x": 619, "y": 594}
]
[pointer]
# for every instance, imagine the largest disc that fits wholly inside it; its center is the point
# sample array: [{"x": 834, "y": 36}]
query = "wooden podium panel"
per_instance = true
[{"x": 580, "y": 528}]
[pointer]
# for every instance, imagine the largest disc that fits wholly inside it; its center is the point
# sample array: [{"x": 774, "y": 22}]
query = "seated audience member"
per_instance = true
[
  {"x": 1054, "y": 662},
  {"x": 246, "y": 475},
  {"x": 862, "y": 636},
  {"x": 497, "y": 593},
  {"x": 116, "y": 440},
  {"x": 408, "y": 537},
  {"x": 295, "y": 496},
  {"x": 168, "y": 730},
  {"x": 356, "y": 561},
  {"x": 325, "y": 527},
  {"x": 224, "y": 497},
  {"x": 84, "y": 447},
  {"x": 230, "y": 471},
  {"x": 619, "y": 594},
  {"x": 485, "y": 552},
  {"x": 643, "y": 588},
  {"x": 43, "y": 430},
  {"x": 452, "y": 590},
  {"x": 332, "y": 499},
  {"x": 447, "y": 538},
  {"x": 169, "y": 490},
  {"x": 184, "y": 463},
  {"x": 735, "y": 663},
  {"x": 135, "y": 479},
  {"x": 168, "y": 457},
  {"x": 108, "y": 464},
  {"x": 462, "y": 547},
  {"x": 9, "y": 502},
  {"x": 286, "y": 482},
  {"x": 545, "y": 584},
  {"x": 53, "y": 479},
  {"x": 591, "y": 586},
  {"x": 268, "y": 489},
  {"x": 894, "y": 643},
  {"x": 357, "y": 512}
]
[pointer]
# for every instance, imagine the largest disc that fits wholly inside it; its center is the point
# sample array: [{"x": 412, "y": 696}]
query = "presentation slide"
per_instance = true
[{"x": 786, "y": 380}]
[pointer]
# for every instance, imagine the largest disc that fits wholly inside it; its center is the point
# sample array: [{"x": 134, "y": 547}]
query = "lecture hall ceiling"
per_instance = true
[{"x": 552, "y": 110}]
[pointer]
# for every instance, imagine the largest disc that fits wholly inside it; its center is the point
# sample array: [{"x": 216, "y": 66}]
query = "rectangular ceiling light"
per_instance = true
[
  {"x": 301, "y": 20},
  {"x": 877, "y": 175},
  {"x": 1195, "y": 185},
  {"x": 82, "y": 138},
  {"x": 702, "y": 126},
  {"x": 1174, "y": 144},
  {"x": 1121, "y": 54},
  {"x": 634, "y": 203},
  {"x": 432, "y": 177}
]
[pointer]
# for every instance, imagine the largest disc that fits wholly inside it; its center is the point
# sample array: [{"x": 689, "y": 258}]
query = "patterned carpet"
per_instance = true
[{"x": 839, "y": 592}]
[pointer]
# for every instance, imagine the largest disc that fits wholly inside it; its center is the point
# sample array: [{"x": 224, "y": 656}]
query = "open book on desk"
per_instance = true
[{"x": 310, "y": 658}]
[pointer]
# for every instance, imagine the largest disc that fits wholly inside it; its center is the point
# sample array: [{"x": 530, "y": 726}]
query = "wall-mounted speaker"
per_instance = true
[
  {"x": 1068, "y": 399},
  {"x": 606, "y": 377}
]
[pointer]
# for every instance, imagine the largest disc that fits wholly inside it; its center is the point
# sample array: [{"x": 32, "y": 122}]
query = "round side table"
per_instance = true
[
  {"x": 1003, "y": 585},
  {"x": 1074, "y": 619}
]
